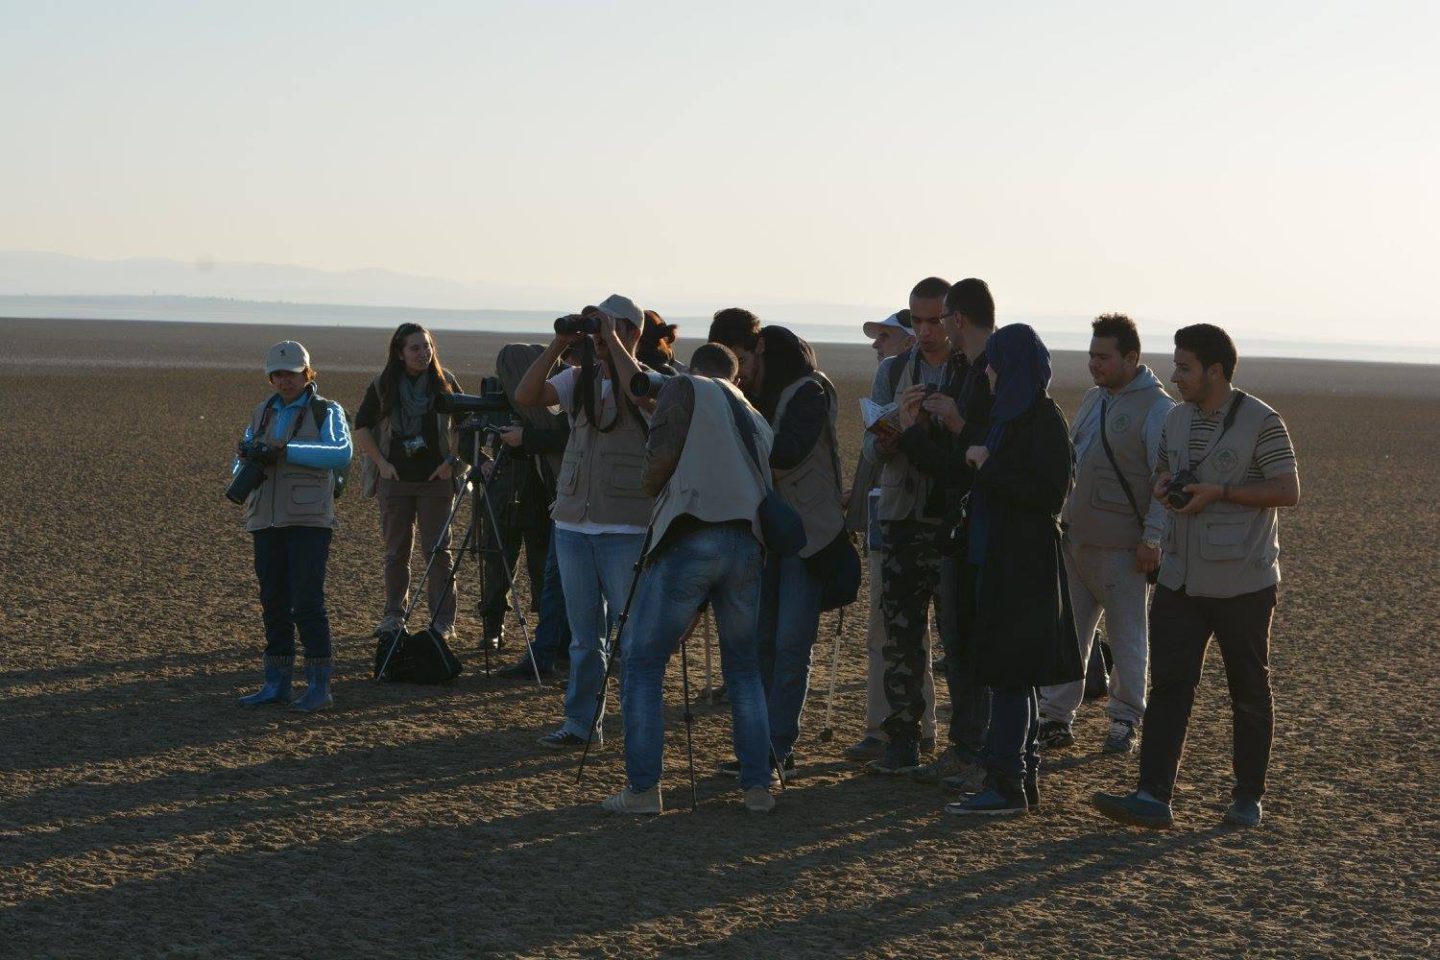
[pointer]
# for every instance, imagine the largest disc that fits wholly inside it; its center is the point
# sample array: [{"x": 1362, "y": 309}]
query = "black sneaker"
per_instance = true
[
  {"x": 1121, "y": 738},
  {"x": 522, "y": 670},
  {"x": 1133, "y": 809},
  {"x": 901, "y": 756},
  {"x": 1032, "y": 791},
  {"x": 1055, "y": 735},
  {"x": 565, "y": 740},
  {"x": 1243, "y": 812},
  {"x": 990, "y": 802}
]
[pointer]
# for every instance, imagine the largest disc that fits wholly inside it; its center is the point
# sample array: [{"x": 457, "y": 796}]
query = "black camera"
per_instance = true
[
  {"x": 255, "y": 456},
  {"x": 576, "y": 323},
  {"x": 413, "y": 446},
  {"x": 1175, "y": 493},
  {"x": 647, "y": 383}
]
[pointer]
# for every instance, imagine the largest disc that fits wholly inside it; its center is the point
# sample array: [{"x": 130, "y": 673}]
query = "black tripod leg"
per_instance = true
[
  {"x": 689, "y": 720},
  {"x": 611, "y": 649}
]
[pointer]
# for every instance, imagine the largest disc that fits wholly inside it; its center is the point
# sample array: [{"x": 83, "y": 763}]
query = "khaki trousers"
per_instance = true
[{"x": 403, "y": 507}]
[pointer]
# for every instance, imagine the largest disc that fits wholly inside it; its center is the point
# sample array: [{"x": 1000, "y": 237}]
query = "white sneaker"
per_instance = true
[
  {"x": 628, "y": 801},
  {"x": 759, "y": 800}
]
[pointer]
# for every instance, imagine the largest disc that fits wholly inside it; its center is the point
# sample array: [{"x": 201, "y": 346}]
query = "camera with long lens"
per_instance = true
[
  {"x": 1175, "y": 493},
  {"x": 489, "y": 411},
  {"x": 573, "y": 323},
  {"x": 255, "y": 456},
  {"x": 647, "y": 383}
]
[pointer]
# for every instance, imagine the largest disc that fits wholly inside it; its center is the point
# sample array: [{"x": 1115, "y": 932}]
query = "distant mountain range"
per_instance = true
[{"x": 37, "y": 274}]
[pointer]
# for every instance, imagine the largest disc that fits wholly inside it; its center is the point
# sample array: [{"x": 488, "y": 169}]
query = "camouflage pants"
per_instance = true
[{"x": 910, "y": 577}]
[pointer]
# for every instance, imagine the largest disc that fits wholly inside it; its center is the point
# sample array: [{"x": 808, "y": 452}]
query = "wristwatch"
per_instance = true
[{"x": 1152, "y": 544}]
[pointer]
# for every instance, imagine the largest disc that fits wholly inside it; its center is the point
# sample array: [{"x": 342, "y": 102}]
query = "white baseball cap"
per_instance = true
[
  {"x": 621, "y": 308},
  {"x": 897, "y": 321},
  {"x": 288, "y": 356}
]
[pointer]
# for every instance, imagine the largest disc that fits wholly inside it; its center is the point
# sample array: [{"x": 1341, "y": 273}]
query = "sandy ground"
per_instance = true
[{"x": 142, "y": 813}]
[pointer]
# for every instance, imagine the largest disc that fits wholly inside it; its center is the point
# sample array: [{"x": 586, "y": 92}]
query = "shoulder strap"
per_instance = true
[
  {"x": 1119, "y": 474},
  {"x": 746, "y": 426},
  {"x": 319, "y": 409},
  {"x": 897, "y": 367}
]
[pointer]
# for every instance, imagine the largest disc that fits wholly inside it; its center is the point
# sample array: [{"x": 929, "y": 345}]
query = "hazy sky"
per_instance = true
[{"x": 1268, "y": 165}]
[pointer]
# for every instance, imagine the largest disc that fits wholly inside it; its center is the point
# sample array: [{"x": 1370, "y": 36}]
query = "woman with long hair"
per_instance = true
[
  {"x": 411, "y": 457},
  {"x": 1024, "y": 631},
  {"x": 801, "y": 405},
  {"x": 656, "y": 348}
]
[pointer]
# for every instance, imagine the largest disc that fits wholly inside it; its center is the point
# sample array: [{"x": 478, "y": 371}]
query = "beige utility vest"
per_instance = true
[
  {"x": 1226, "y": 549},
  {"x": 291, "y": 496},
  {"x": 812, "y": 487},
  {"x": 1097, "y": 512},
  {"x": 857, "y": 512},
  {"x": 384, "y": 431},
  {"x": 716, "y": 480},
  {"x": 903, "y": 486},
  {"x": 602, "y": 473}
]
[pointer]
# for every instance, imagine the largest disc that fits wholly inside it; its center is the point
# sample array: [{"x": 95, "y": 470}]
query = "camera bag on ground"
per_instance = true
[
  {"x": 837, "y": 566},
  {"x": 780, "y": 524},
  {"x": 421, "y": 657}
]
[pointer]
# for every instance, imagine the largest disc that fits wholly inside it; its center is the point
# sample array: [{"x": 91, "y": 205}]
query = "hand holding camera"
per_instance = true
[
  {"x": 1183, "y": 493},
  {"x": 255, "y": 456}
]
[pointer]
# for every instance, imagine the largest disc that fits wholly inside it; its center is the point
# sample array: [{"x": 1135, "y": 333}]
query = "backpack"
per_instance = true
[
  {"x": 320, "y": 409},
  {"x": 421, "y": 657}
]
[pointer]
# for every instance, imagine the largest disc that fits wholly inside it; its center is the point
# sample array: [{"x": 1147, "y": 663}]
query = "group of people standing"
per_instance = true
[{"x": 982, "y": 511}]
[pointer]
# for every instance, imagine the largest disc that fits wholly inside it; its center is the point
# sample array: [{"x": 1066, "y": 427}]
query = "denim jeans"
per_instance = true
[
  {"x": 1012, "y": 746},
  {"x": 552, "y": 632},
  {"x": 719, "y": 564},
  {"x": 290, "y": 564},
  {"x": 596, "y": 570},
  {"x": 789, "y": 620}
]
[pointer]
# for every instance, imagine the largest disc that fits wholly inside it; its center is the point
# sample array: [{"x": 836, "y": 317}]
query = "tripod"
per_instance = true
[{"x": 470, "y": 544}]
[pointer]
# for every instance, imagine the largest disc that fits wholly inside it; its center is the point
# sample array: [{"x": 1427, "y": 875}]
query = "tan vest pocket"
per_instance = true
[
  {"x": 1106, "y": 493},
  {"x": 1224, "y": 540},
  {"x": 569, "y": 472},
  {"x": 308, "y": 492},
  {"x": 624, "y": 474}
]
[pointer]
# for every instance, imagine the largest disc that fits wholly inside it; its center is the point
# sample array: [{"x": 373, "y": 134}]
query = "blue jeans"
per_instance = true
[
  {"x": 552, "y": 632},
  {"x": 596, "y": 570},
  {"x": 719, "y": 564},
  {"x": 789, "y": 620},
  {"x": 1014, "y": 728},
  {"x": 290, "y": 564}
]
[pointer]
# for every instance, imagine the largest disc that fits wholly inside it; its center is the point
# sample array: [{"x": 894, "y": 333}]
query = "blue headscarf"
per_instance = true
[{"x": 1022, "y": 375}]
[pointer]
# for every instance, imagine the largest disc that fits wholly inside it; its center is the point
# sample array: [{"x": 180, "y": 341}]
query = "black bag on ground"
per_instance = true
[
  {"x": 837, "y": 566},
  {"x": 422, "y": 657}
]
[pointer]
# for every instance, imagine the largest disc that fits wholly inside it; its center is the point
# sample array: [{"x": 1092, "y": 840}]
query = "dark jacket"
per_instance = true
[{"x": 1024, "y": 632}]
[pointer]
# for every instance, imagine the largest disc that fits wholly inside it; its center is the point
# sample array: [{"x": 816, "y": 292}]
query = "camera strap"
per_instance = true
[
  {"x": 1225, "y": 426},
  {"x": 1110, "y": 455}
]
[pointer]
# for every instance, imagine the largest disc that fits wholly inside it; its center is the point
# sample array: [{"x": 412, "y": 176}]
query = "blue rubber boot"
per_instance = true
[
  {"x": 278, "y": 672},
  {"x": 317, "y": 694}
]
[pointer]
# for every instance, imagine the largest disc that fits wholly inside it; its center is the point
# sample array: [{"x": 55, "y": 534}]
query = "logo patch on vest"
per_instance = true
[
  {"x": 1226, "y": 460},
  {"x": 1120, "y": 422}
]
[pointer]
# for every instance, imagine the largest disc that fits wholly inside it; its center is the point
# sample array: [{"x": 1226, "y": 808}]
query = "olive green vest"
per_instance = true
[
  {"x": 602, "y": 473},
  {"x": 716, "y": 480},
  {"x": 1226, "y": 549},
  {"x": 291, "y": 496},
  {"x": 812, "y": 487}
]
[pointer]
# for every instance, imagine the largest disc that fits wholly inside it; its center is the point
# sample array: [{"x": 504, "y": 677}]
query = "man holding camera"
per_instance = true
[
  {"x": 1112, "y": 541},
  {"x": 293, "y": 452},
  {"x": 912, "y": 509},
  {"x": 705, "y": 548},
  {"x": 937, "y": 447},
  {"x": 601, "y": 509},
  {"x": 1225, "y": 467}
]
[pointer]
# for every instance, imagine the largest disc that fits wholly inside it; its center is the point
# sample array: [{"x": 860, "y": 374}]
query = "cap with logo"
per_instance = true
[
  {"x": 287, "y": 356},
  {"x": 621, "y": 308},
  {"x": 896, "y": 321}
]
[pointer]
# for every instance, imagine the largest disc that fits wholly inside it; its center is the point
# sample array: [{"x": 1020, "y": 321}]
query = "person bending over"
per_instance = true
[{"x": 705, "y": 548}]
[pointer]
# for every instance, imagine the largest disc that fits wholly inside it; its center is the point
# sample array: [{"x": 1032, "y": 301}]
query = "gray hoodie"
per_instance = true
[{"x": 1085, "y": 430}]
